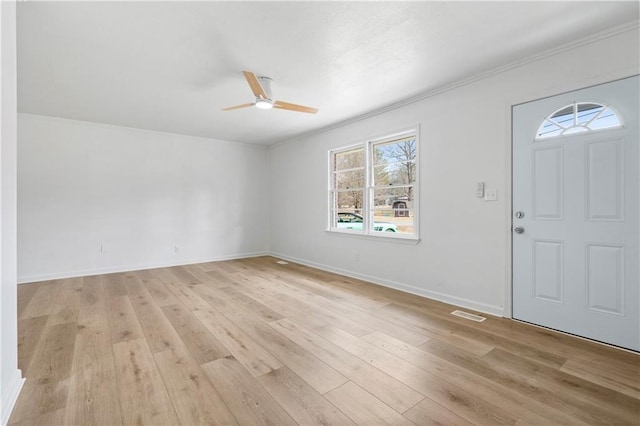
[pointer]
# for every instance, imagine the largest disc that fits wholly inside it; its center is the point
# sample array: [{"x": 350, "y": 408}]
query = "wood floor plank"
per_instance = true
[
  {"x": 391, "y": 391},
  {"x": 123, "y": 322},
  {"x": 38, "y": 400},
  {"x": 143, "y": 397},
  {"x": 363, "y": 408},
  {"x": 299, "y": 313},
  {"x": 145, "y": 274},
  {"x": 452, "y": 334},
  {"x": 195, "y": 399},
  {"x": 317, "y": 373},
  {"x": 335, "y": 293},
  {"x": 26, "y": 293},
  {"x": 217, "y": 278},
  {"x": 212, "y": 296},
  {"x": 114, "y": 285},
  {"x": 468, "y": 405},
  {"x": 201, "y": 276},
  {"x": 469, "y": 336},
  {"x": 66, "y": 307},
  {"x": 209, "y": 266},
  {"x": 185, "y": 295},
  {"x": 250, "y": 354},
  {"x": 404, "y": 331},
  {"x": 47, "y": 384},
  {"x": 93, "y": 305},
  {"x": 184, "y": 276},
  {"x": 157, "y": 329},
  {"x": 304, "y": 311},
  {"x": 518, "y": 382},
  {"x": 52, "y": 418},
  {"x": 29, "y": 332},
  {"x": 53, "y": 356},
  {"x": 201, "y": 343},
  {"x": 428, "y": 412},
  {"x": 244, "y": 396},
  {"x": 612, "y": 376},
  {"x": 301, "y": 401},
  {"x": 258, "y": 309},
  {"x": 40, "y": 304},
  {"x": 93, "y": 392},
  {"x": 475, "y": 376},
  {"x": 583, "y": 396},
  {"x": 160, "y": 292}
]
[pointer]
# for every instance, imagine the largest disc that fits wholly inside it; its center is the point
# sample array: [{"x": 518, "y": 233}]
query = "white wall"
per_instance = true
[
  {"x": 463, "y": 255},
  {"x": 10, "y": 377},
  {"x": 94, "y": 198}
]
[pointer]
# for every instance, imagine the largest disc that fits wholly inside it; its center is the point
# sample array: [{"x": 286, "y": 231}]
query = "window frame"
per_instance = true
[{"x": 368, "y": 208}]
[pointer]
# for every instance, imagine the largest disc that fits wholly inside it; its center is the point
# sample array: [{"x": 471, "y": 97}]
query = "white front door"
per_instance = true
[{"x": 576, "y": 214}]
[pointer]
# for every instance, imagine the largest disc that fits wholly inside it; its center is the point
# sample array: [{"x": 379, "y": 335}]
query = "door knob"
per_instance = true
[{"x": 518, "y": 230}]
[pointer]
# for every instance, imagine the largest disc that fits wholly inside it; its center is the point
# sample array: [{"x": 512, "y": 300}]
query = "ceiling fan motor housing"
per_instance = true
[{"x": 266, "y": 83}]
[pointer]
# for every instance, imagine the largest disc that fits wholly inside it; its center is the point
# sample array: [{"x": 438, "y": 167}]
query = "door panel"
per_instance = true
[
  {"x": 605, "y": 180},
  {"x": 548, "y": 183},
  {"x": 576, "y": 262},
  {"x": 605, "y": 278},
  {"x": 548, "y": 276}
]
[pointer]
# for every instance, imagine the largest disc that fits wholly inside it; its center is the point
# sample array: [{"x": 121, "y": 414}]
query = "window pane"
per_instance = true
[
  {"x": 348, "y": 219},
  {"x": 388, "y": 196},
  {"x": 393, "y": 210},
  {"x": 401, "y": 150},
  {"x": 349, "y": 200},
  {"x": 587, "y": 111},
  {"x": 394, "y": 174},
  {"x": 353, "y": 179},
  {"x": 549, "y": 129},
  {"x": 389, "y": 220},
  {"x": 349, "y": 159},
  {"x": 606, "y": 119},
  {"x": 564, "y": 116}
]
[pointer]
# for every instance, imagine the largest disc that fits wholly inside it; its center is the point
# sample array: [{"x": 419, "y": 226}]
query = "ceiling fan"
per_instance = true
[{"x": 261, "y": 88}]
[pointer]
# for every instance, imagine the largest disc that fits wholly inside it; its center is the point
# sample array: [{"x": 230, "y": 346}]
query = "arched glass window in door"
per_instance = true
[{"x": 578, "y": 117}]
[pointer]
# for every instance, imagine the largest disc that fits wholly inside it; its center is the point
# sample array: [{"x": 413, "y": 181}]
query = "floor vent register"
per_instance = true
[{"x": 467, "y": 315}]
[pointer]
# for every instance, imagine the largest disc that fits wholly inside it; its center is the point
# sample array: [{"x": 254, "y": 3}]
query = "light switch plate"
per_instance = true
[{"x": 491, "y": 195}]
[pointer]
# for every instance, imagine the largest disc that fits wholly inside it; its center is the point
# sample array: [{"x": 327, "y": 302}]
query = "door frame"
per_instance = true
[{"x": 508, "y": 184}]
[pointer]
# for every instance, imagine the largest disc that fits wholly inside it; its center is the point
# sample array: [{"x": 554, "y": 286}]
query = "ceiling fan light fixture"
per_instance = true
[{"x": 264, "y": 103}]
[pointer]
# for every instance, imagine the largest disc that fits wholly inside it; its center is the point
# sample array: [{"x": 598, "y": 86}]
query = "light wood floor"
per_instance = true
[{"x": 254, "y": 342}]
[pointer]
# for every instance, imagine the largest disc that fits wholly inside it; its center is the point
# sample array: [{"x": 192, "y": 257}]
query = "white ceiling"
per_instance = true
[{"x": 172, "y": 66}]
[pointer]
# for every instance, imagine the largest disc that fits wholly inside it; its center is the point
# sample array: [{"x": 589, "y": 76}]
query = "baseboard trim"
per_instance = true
[
  {"x": 126, "y": 268},
  {"x": 10, "y": 397},
  {"x": 440, "y": 297}
]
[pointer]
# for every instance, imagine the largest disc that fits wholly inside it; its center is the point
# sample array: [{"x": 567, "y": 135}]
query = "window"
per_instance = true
[
  {"x": 373, "y": 187},
  {"x": 578, "y": 117}
]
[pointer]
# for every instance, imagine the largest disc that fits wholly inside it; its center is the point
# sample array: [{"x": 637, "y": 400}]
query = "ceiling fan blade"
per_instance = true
[
  {"x": 255, "y": 85},
  {"x": 294, "y": 107},
  {"x": 237, "y": 107}
]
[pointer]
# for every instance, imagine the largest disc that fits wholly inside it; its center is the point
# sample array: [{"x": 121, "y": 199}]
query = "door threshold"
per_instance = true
[{"x": 631, "y": 351}]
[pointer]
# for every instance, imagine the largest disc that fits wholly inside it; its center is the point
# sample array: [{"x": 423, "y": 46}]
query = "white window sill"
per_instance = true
[{"x": 384, "y": 236}]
